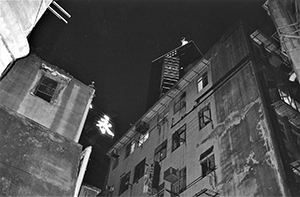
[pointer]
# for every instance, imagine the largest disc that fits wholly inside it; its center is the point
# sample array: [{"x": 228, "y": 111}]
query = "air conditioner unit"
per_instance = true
[
  {"x": 171, "y": 175},
  {"x": 142, "y": 127}
]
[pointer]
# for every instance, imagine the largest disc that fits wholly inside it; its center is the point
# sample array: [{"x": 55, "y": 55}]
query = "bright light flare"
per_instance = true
[{"x": 105, "y": 126}]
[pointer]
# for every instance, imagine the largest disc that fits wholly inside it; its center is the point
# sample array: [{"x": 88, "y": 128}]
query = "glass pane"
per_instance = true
[{"x": 49, "y": 82}]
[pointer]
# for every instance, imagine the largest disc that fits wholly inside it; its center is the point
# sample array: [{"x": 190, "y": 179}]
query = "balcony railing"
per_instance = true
[{"x": 287, "y": 106}]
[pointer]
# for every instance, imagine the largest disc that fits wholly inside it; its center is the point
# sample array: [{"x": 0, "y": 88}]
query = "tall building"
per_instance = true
[
  {"x": 42, "y": 113},
  {"x": 230, "y": 127},
  {"x": 167, "y": 69}
]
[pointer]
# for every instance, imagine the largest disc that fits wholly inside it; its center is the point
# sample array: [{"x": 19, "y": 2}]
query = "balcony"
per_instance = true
[{"x": 287, "y": 106}]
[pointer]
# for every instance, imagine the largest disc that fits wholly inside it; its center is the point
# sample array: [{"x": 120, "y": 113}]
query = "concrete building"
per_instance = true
[
  {"x": 167, "y": 69},
  {"x": 42, "y": 113},
  {"x": 229, "y": 127}
]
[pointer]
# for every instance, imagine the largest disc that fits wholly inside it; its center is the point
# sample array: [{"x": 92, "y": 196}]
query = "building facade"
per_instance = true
[
  {"x": 42, "y": 112},
  {"x": 230, "y": 127}
]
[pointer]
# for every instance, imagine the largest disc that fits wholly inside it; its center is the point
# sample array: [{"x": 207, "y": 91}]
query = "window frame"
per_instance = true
[
  {"x": 130, "y": 148},
  {"x": 180, "y": 185},
  {"x": 208, "y": 165},
  {"x": 207, "y": 161},
  {"x": 203, "y": 80},
  {"x": 139, "y": 170},
  {"x": 44, "y": 95},
  {"x": 124, "y": 183},
  {"x": 179, "y": 103},
  {"x": 160, "y": 152},
  {"x": 177, "y": 136},
  {"x": 115, "y": 163},
  {"x": 203, "y": 118},
  {"x": 143, "y": 138}
]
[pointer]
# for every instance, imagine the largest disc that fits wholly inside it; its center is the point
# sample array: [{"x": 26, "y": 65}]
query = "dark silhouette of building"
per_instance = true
[{"x": 167, "y": 69}]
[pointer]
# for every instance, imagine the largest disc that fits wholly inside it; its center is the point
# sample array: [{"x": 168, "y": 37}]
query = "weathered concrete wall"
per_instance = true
[
  {"x": 33, "y": 160},
  {"x": 17, "y": 19},
  {"x": 228, "y": 51},
  {"x": 248, "y": 160},
  {"x": 63, "y": 115}
]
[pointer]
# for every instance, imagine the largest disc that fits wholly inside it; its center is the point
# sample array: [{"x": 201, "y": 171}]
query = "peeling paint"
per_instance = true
[
  {"x": 235, "y": 117},
  {"x": 270, "y": 155}
]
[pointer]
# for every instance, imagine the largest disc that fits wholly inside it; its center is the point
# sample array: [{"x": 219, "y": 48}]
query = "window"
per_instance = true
[
  {"x": 139, "y": 171},
  {"x": 207, "y": 161},
  {"x": 179, "y": 103},
  {"x": 204, "y": 116},
  {"x": 161, "y": 190},
  {"x": 124, "y": 183},
  {"x": 180, "y": 185},
  {"x": 178, "y": 137},
  {"x": 46, "y": 88},
  {"x": 161, "y": 152},
  {"x": 143, "y": 138},
  {"x": 115, "y": 162},
  {"x": 130, "y": 149},
  {"x": 202, "y": 81}
]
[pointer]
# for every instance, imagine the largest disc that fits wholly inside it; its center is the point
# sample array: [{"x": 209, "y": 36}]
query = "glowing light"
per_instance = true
[
  {"x": 183, "y": 41},
  {"x": 293, "y": 77},
  {"x": 105, "y": 126}
]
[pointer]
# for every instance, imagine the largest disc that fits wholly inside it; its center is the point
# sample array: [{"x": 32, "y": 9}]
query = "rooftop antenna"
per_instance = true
[{"x": 61, "y": 9}]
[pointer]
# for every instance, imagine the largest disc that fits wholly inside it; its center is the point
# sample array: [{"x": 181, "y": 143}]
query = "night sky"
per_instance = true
[{"x": 113, "y": 43}]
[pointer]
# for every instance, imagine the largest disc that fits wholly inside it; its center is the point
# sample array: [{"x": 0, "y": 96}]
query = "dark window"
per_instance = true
[
  {"x": 160, "y": 193},
  {"x": 180, "y": 185},
  {"x": 178, "y": 137},
  {"x": 46, "y": 88},
  {"x": 160, "y": 190},
  {"x": 139, "y": 171},
  {"x": 160, "y": 152},
  {"x": 207, "y": 161},
  {"x": 179, "y": 103},
  {"x": 124, "y": 183},
  {"x": 202, "y": 81},
  {"x": 204, "y": 116},
  {"x": 115, "y": 162}
]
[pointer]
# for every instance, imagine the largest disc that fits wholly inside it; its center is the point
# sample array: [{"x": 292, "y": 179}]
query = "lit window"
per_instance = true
[
  {"x": 179, "y": 103},
  {"x": 139, "y": 171},
  {"x": 178, "y": 137},
  {"x": 207, "y": 161},
  {"x": 180, "y": 185},
  {"x": 204, "y": 116},
  {"x": 289, "y": 100},
  {"x": 46, "y": 88},
  {"x": 129, "y": 149},
  {"x": 124, "y": 183},
  {"x": 161, "y": 152},
  {"x": 143, "y": 138},
  {"x": 202, "y": 81}
]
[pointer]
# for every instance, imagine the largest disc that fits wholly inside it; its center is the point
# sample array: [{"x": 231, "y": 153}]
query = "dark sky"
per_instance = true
[{"x": 113, "y": 43}]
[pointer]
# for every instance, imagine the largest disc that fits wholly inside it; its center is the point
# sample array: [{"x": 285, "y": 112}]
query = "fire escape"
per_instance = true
[{"x": 285, "y": 100}]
